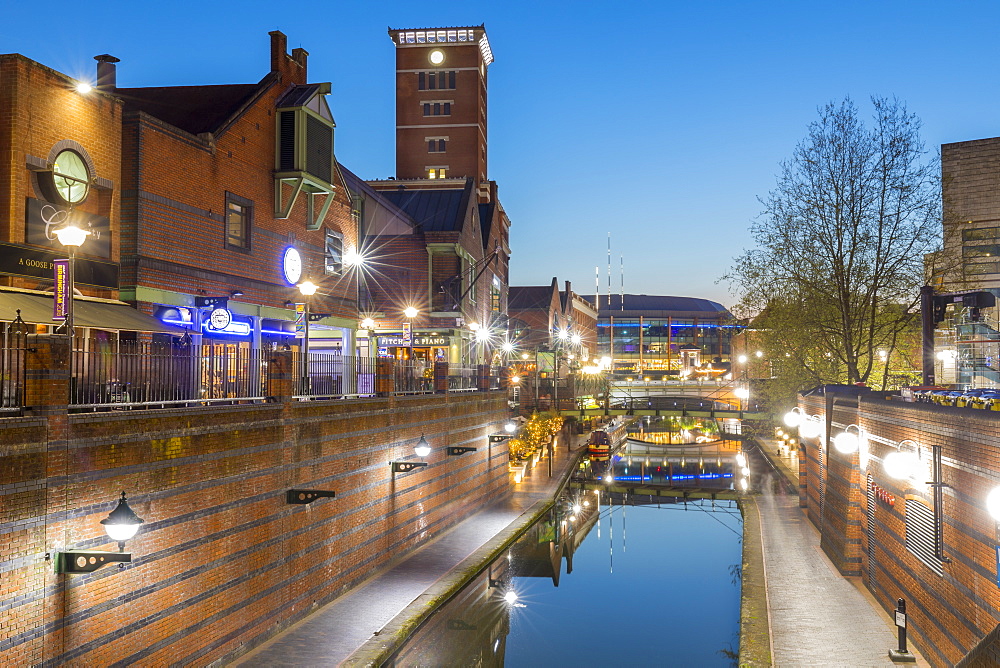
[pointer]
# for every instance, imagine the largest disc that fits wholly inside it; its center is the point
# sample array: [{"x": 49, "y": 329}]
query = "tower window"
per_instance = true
[
  {"x": 436, "y": 80},
  {"x": 436, "y": 145},
  {"x": 437, "y": 172},
  {"x": 437, "y": 108}
]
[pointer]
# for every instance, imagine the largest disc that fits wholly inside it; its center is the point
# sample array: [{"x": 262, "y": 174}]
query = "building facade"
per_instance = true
[{"x": 662, "y": 336}]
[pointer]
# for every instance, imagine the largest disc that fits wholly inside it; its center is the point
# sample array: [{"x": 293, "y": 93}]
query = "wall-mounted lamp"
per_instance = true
[
  {"x": 902, "y": 464},
  {"x": 793, "y": 418},
  {"x": 422, "y": 448},
  {"x": 510, "y": 426},
  {"x": 810, "y": 427},
  {"x": 406, "y": 467},
  {"x": 304, "y": 496},
  {"x": 499, "y": 438},
  {"x": 120, "y": 525},
  {"x": 235, "y": 293},
  {"x": 459, "y": 449},
  {"x": 846, "y": 442}
]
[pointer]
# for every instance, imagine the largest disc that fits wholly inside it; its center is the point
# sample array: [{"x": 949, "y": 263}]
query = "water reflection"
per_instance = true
[{"x": 640, "y": 585}]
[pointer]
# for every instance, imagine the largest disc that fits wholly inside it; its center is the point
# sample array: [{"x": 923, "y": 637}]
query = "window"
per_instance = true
[
  {"x": 495, "y": 292},
  {"x": 980, "y": 268},
  {"x": 437, "y": 172},
  {"x": 436, "y": 81},
  {"x": 981, "y": 234},
  {"x": 437, "y": 144},
  {"x": 437, "y": 108},
  {"x": 983, "y": 250},
  {"x": 239, "y": 216},
  {"x": 333, "y": 256}
]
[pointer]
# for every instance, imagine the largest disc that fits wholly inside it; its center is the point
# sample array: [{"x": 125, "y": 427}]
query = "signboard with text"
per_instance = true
[
  {"x": 418, "y": 341},
  {"x": 41, "y": 218},
  {"x": 23, "y": 261},
  {"x": 63, "y": 290}
]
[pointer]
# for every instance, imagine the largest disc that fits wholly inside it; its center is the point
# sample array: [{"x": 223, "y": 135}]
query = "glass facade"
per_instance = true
[{"x": 654, "y": 344}]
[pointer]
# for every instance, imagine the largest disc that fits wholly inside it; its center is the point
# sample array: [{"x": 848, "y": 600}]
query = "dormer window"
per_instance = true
[{"x": 304, "y": 161}]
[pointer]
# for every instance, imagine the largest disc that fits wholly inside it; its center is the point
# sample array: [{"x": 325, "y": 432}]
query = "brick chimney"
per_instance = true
[
  {"x": 107, "y": 72},
  {"x": 279, "y": 48}
]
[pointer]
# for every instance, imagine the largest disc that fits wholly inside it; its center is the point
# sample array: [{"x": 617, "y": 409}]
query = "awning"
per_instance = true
[{"x": 37, "y": 309}]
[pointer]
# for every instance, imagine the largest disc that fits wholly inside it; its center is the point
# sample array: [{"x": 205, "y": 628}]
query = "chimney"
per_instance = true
[
  {"x": 299, "y": 56},
  {"x": 107, "y": 72},
  {"x": 279, "y": 47}
]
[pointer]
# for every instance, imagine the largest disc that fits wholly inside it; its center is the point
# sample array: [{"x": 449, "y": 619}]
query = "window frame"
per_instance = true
[
  {"x": 333, "y": 263},
  {"x": 247, "y": 205}
]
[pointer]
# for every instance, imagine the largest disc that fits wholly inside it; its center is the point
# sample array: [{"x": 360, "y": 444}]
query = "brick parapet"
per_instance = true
[
  {"x": 222, "y": 562},
  {"x": 949, "y": 613}
]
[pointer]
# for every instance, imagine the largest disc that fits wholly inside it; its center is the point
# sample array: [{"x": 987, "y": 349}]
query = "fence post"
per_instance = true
[
  {"x": 385, "y": 378},
  {"x": 483, "y": 377},
  {"x": 280, "y": 376},
  {"x": 440, "y": 377}
]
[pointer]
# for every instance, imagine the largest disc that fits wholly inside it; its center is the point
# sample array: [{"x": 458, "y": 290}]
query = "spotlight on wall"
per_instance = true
[
  {"x": 236, "y": 293},
  {"x": 304, "y": 496},
  {"x": 120, "y": 525}
]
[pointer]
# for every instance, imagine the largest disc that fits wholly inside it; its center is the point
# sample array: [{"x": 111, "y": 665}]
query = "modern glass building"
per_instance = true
[{"x": 660, "y": 336}]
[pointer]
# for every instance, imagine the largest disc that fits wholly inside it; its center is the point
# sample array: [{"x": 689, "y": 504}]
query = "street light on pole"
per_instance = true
[
  {"x": 308, "y": 289},
  {"x": 72, "y": 237}
]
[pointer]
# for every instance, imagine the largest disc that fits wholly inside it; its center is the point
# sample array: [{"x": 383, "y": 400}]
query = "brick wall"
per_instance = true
[
  {"x": 222, "y": 561},
  {"x": 948, "y": 613}
]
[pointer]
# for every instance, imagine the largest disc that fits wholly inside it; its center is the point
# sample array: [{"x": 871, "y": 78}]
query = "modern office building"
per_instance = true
[{"x": 662, "y": 336}]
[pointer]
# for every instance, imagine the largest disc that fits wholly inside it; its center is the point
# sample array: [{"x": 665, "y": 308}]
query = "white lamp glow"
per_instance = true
[
  {"x": 71, "y": 235},
  {"x": 793, "y": 419},
  {"x": 810, "y": 427},
  {"x": 900, "y": 465},
  {"x": 423, "y": 448},
  {"x": 308, "y": 288},
  {"x": 993, "y": 503},
  {"x": 846, "y": 442}
]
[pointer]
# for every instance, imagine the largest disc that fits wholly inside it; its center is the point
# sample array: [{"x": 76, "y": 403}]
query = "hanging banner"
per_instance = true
[
  {"x": 407, "y": 333},
  {"x": 63, "y": 291},
  {"x": 300, "y": 321}
]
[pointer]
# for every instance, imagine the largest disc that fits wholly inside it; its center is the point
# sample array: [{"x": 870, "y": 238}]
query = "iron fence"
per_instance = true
[
  {"x": 331, "y": 375},
  {"x": 462, "y": 378},
  {"x": 13, "y": 349},
  {"x": 130, "y": 373}
]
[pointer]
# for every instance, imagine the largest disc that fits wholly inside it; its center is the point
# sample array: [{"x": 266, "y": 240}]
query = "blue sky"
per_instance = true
[{"x": 658, "y": 122}]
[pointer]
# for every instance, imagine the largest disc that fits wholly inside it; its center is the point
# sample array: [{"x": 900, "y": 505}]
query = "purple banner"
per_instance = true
[{"x": 62, "y": 294}]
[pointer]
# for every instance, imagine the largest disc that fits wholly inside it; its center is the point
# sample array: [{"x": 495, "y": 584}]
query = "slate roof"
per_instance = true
[
  {"x": 355, "y": 184},
  {"x": 659, "y": 303},
  {"x": 524, "y": 297},
  {"x": 433, "y": 210},
  {"x": 194, "y": 109},
  {"x": 297, "y": 95}
]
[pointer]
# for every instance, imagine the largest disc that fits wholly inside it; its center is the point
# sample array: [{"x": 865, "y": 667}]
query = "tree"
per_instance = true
[{"x": 841, "y": 247}]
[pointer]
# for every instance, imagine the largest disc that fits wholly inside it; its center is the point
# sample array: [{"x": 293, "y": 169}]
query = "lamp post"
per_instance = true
[
  {"x": 308, "y": 289},
  {"x": 72, "y": 237},
  {"x": 410, "y": 313}
]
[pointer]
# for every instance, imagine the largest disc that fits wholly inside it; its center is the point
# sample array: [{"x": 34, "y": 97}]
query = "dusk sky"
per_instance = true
[{"x": 661, "y": 123}]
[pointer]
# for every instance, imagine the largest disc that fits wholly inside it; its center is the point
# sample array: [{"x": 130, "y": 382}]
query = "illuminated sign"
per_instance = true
[
  {"x": 219, "y": 319},
  {"x": 417, "y": 341},
  {"x": 60, "y": 302},
  {"x": 291, "y": 265}
]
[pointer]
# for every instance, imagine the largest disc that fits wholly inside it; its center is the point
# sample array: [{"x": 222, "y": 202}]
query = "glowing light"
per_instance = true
[
  {"x": 510, "y": 427},
  {"x": 84, "y": 87},
  {"x": 993, "y": 503},
  {"x": 510, "y": 597},
  {"x": 742, "y": 393},
  {"x": 423, "y": 448},
  {"x": 744, "y": 484},
  {"x": 352, "y": 258},
  {"x": 846, "y": 442},
  {"x": 308, "y": 288},
  {"x": 793, "y": 419},
  {"x": 410, "y": 312},
  {"x": 482, "y": 335},
  {"x": 507, "y": 347},
  {"x": 746, "y": 472},
  {"x": 515, "y": 379},
  {"x": 741, "y": 459},
  {"x": 759, "y": 353},
  {"x": 576, "y": 507},
  {"x": 742, "y": 359},
  {"x": 473, "y": 326},
  {"x": 563, "y": 335},
  {"x": 609, "y": 478},
  {"x": 576, "y": 338},
  {"x": 367, "y": 323},
  {"x": 71, "y": 235},
  {"x": 810, "y": 427},
  {"x": 900, "y": 465}
]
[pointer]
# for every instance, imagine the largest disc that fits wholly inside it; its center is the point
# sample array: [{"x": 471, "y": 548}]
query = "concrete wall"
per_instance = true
[
  {"x": 222, "y": 561},
  {"x": 953, "y": 602}
]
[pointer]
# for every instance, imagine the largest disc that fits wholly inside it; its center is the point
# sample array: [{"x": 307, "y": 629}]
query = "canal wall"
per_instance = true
[
  {"x": 223, "y": 560},
  {"x": 940, "y": 554}
]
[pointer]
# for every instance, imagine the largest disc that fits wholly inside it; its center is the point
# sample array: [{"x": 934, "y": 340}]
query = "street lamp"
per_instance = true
[
  {"x": 308, "y": 289},
  {"x": 120, "y": 525},
  {"x": 72, "y": 237}
]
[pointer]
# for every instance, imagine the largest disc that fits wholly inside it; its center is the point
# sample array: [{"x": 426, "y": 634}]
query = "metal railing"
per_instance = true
[
  {"x": 130, "y": 373},
  {"x": 141, "y": 374},
  {"x": 13, "y": 348}
]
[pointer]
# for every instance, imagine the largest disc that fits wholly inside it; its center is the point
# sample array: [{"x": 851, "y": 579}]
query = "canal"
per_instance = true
[{"x": 605, "y": 578}]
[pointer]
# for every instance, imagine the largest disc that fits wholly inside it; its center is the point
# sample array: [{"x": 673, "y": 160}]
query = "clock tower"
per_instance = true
[{"x": 441, "y": 104}]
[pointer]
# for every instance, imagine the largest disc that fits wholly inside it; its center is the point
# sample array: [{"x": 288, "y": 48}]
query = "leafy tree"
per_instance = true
[{"x": 841, "y": 247}]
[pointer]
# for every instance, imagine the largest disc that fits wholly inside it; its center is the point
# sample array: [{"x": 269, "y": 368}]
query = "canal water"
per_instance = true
[{"x": 604, "y": 579}]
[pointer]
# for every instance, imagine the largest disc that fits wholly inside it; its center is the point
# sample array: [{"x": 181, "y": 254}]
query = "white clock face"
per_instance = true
[
  {"x": 220, "y": 318},
  {"x": 437, "y": 57},
  {"x": 291, "y": 265}
]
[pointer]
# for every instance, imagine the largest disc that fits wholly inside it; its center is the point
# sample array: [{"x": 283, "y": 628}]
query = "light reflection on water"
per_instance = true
[{"x": 644, "y": 584}]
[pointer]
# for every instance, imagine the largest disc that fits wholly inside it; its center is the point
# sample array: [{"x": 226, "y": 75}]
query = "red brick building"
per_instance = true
[
  {"x": 232, "y": 196},
  {"x": 62, "y": 161}
]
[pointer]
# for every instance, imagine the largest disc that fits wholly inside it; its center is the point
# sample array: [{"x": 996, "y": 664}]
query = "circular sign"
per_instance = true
[
  {"x": 437, "y": 57},
  {"x": 220, "y": 318},
  {"x": 291, "y": 265}
]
